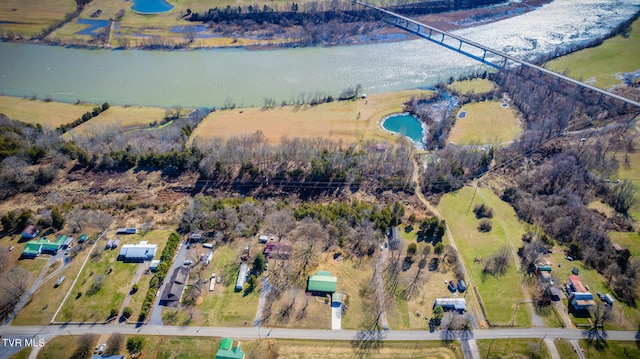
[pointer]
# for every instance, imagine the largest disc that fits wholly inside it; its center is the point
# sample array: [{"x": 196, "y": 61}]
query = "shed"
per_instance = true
[
  {"x": 452, "y": 286},
  {"x": 242, "y": 276},
  {"x": 459, "y": 304},
  {"x": 609, "y": 299},
  {"x": 83, "y": 238},
  {"x": 336, "y": 298},
  {"x": 228, "y": 351},
  {"x": 461, "y": 286},
  {"x": 115, "y": 243},
  {"x": 544, "y": 268},
  {"x": 322, "y": 282},
  {"x": 554, "y": 294},
  {"x": 154, "y": 265},
  {"x": 263, "y": 238},
  {"x": 67, "y": 242},
  {"x": 126, "y": 231},
  {"x": 109, "y": 244},
  {"x": 195, "y": 236}
]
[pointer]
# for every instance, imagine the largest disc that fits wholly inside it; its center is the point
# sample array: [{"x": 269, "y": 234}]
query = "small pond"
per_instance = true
[
  {"x": 93, "y": 26},
  {"x": 150, "y": 6},
  {"x": 406, "y": 124}
]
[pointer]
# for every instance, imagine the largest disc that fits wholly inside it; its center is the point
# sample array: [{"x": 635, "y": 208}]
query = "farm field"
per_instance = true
[
  {"x": 121, "y": 116},
  {"x": 346, "y": 121},
  {"x": 485, "y": 123},
  {"x": 600, "y": 65},
  {"x": 476, "y": 86},
  {"x": 116, "y": 277},
  {"x": 32, "y": 16},
  {"x": 499, "y": 294},
  {"x": 47, "y": 114}
]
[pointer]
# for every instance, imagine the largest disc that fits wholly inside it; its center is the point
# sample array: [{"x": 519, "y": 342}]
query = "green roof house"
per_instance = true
[
  {"x": 31, "y": 250},
  {"x": 228, "y": 351},
  {"x": 322, "y": 282}
]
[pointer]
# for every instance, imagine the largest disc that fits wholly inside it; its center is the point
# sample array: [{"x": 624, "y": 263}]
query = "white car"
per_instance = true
[{"x": 188, "y": 262}]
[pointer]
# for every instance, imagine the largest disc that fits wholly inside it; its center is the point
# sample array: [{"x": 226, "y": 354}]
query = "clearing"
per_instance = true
[{"x": 485, "y": 123}]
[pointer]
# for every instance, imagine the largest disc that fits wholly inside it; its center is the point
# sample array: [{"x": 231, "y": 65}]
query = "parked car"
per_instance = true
[
  {"x": 575, "y": 271},
  {"x": 600, "y": 295},
  {"x": 60, "y": 280},
  {"x": 569, "y": 258},
  {"x": 101, "y": 348},
  {"x": 188, "y": 262}
]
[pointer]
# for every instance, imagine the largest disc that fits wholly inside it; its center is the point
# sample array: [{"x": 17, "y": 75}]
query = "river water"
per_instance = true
[{"x": 215, "y": 77}]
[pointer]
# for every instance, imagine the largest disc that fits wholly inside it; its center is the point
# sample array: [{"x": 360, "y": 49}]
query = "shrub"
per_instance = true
[
  {"x": 134, "y": 289},
  {"x": 483, "y": 211},
  {"x": 126, "y": 312},
  {"x": 485, "y": 225}
]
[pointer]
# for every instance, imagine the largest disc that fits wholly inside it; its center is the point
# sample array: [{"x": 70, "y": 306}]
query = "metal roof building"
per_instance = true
[
  {"x": 459, "y": 304},
  {"x": 242, "y": 276},
  {"x": 322, "y": 282},
  {"x": 138, "y": 252},
  {"x": 228, "y": 351}
]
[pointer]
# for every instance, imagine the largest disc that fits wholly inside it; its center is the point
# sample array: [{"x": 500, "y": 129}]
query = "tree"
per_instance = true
[
  {"x": 114, "y": 344},
  {"x": 498, "y": 263},
  {"x": 135, "y": 345},
  {"x": 483, "y": 211},
  {"x": 412, "y": 249},
  {"x": 622, "y": 196},
  {"x": 57, "y": 219},
  {"x": 485, "y": 225},
  {"x": 438, "y": 249},
  {"x": 126, "y": 312},
  {"x": 85, "y": 345},
  {"x": 9, "y": 221},
  {"x": 279, "y": 223},
  {"x": 259, "y": 263},
  {"x": 14, "y": 285},
  {"x": 432, "y": 229}
]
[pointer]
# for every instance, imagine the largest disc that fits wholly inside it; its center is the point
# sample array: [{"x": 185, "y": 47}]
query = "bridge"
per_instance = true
[{"x": 491, "y": 57}]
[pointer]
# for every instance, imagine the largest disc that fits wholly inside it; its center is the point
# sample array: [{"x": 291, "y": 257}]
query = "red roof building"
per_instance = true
[
  {"x": 576, "y": 284},
  {"x": 277, "y": 250}
]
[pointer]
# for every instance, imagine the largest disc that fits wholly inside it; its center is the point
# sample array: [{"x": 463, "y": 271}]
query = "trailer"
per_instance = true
[
  {"x": 212, "y": 282},
  {"x": 461, "y": 286}
]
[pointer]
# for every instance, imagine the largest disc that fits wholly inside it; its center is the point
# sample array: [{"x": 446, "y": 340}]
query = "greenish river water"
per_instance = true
[{"x": 214, "y": 77}]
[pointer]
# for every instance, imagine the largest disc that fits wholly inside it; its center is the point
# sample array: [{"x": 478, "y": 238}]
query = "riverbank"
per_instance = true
[{"x": 123, "y": 28}]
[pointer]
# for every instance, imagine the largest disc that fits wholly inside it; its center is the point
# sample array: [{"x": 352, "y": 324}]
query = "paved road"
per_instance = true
[{"x": 319, "y": 334}]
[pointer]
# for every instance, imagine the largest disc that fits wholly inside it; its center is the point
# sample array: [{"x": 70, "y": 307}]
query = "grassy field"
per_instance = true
[
  {"x": 599, "y": 65},
  {"x": 117, "y": 281},
  {"x": 499, "y": 294},
  {"x": 629, "y": 240},
  {"x": 472, "y": 86},
  {"x": 121, "y": 116},
  {"x": 31, "y": 16},
  {"x": 613, "y": 350},
  {"x": 45, "y": 301},
  {"x": 513, "y": 348},
  {"x": 486, "y": 122},
  {"x": 565, "y": 349},
  {"x": 348, "y": 121},
  {"x": 166, "y": 347},
  {"x": 52, "y": 114}
]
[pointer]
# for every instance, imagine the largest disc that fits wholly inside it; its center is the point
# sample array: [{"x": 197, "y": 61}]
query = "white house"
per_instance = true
[{"x": 138, "y": 252}]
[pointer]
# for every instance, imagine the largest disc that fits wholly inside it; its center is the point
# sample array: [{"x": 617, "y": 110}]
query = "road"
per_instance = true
[{"x": 317, "y": 334}]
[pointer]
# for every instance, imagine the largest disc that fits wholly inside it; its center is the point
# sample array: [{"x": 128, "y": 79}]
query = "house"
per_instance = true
[
  {"x": 42, "y": 245},
  {"x": 172, "y": 293},
  {"x": 242, "y": 276},
  {"x": 32, "y": 250},
  {"x": 138, "y": 252},
  {"x": 277, "y": 250},
  {"x": 394, "y": 238},
  {"x": 322, "y": 282},
  {"x": 576, "y": 285},
  {"x": 459, "y": 304},
  {"x": 228, "y": 351},
  {"x": 581, "y": 300},
  {"x": 30, "y": 232},
  {"x": 126, "y": 231},
  {"x": 195, "y": 236},
  {"x": 378, "y": 147}
]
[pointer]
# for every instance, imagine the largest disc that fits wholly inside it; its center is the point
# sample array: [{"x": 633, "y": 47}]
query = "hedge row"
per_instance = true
[
  {"x": 86, "y": 117},
  {"x": 161, "y": 273}
]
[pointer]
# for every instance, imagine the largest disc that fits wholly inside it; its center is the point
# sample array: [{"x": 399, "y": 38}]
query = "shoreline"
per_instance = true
[{"x": 447, "y": 21}]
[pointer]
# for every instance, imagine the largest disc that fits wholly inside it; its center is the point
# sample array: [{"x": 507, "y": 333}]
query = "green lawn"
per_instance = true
[
  {"x": 565, "y": 349},
  {"x": 600, "y": 64},
  {"x": 513, "y": 348},
  {"x": 485, "y": 123},
  {"x": 472, "y": 86},
  {"x": 499, "y": 294},
  {"x": 612, "y": 350},
  {"x": 629, "y": 240},
  {"x": 117, "y": 280}
]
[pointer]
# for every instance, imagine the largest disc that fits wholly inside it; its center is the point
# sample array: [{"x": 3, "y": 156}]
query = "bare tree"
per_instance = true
[
  {"x": 114, "y": 344},
  {"x": 85, "y": 346},
  {"x": 14, "y": 285},
  {"x": 280, "y": 223},
  {"x": 498, "y": 263}
]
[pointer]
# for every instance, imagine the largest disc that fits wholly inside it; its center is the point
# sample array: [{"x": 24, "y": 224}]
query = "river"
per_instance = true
[{"x": 219, "y": 76}]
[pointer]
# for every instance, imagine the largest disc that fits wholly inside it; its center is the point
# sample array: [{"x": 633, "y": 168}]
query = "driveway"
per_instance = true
[
  {"x": 336, "y": 316},
  {"x": 181, "y": 256}
]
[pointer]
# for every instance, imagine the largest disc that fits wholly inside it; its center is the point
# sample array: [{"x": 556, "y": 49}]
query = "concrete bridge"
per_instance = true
[{"x": 493, "y": 58}]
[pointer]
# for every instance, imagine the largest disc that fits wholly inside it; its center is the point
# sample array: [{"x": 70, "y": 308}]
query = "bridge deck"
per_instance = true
[{"x": 506, "y": 57}]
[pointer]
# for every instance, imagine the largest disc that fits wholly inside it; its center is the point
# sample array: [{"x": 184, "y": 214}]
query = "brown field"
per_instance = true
[
  {"x": 485, "y": 123},
  {"x": 52, "y": 114},
  {"x": 32, "y": 16},
  {"x": 347, "y": 121},
  {"x": 120, "y": 116}
]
